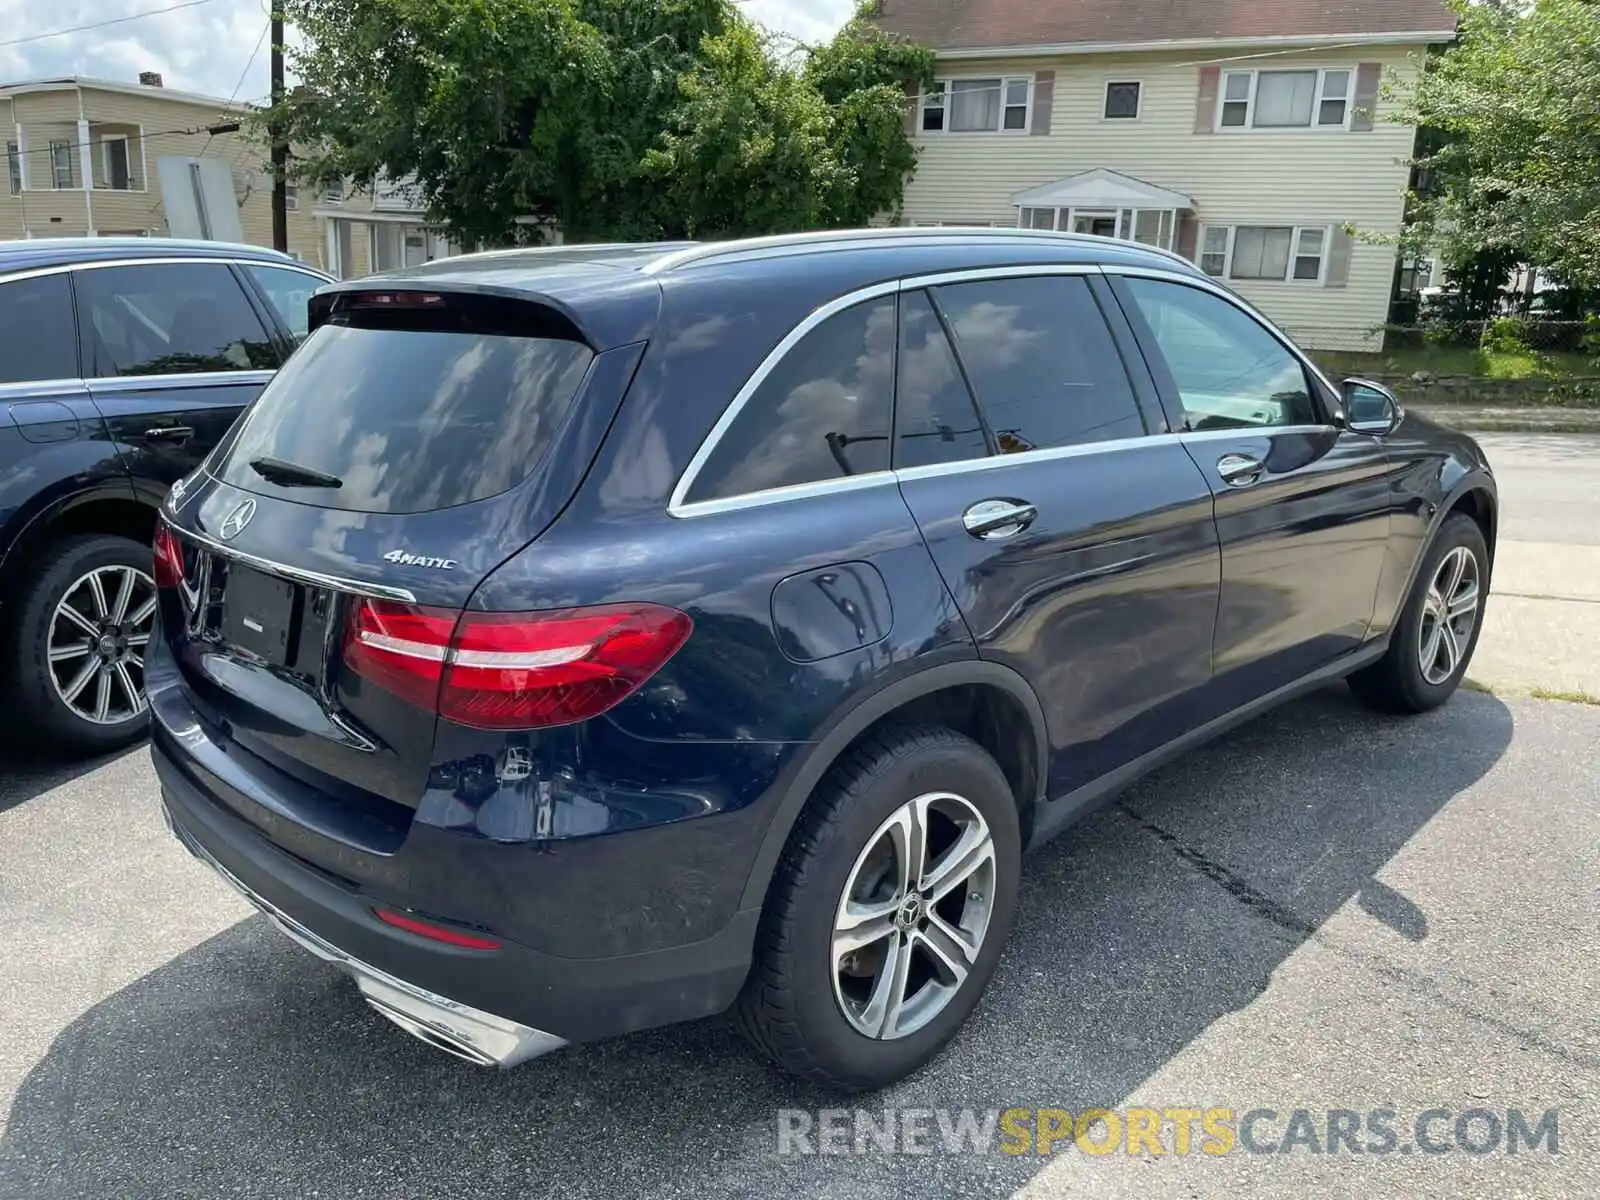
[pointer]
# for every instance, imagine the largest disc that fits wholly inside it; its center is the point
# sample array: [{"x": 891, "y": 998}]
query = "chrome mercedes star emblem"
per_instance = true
[{"x": 237, "y": 519}]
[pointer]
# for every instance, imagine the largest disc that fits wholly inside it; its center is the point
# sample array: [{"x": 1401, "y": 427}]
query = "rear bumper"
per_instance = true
[
  {"x": 470, "y": 1033},
  {"x": 502, "y": 1006}
]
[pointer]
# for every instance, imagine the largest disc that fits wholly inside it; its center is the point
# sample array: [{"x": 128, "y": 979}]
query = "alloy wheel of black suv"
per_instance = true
[{"x": 573, "y": 642}]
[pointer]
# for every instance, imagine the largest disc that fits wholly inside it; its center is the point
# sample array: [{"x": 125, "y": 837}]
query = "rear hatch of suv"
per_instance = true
[{"x": 315, "y": 574}]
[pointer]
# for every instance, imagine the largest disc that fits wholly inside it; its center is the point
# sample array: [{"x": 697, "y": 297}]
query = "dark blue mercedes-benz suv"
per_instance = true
[{"x": 575, "y": 641}]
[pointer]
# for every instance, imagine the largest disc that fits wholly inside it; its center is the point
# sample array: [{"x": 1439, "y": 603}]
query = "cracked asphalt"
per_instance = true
[{"x": 1324, "y": 910}]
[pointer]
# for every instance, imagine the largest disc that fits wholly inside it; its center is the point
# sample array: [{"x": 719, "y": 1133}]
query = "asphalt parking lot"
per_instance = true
[{"x": 1324, "y": 910}]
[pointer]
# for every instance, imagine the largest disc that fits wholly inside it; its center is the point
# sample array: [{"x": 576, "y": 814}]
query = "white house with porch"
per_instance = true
[{"x": 1256, "y": 140}]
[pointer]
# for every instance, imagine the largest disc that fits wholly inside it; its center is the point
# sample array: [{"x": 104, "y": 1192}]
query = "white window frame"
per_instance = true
[
  {"x": 1294, "y": 252},
  {"x": 14, "y": 167},
  {"x": 57, "y": 144},
  {"x": 955, "y": 224},
  {"x": 945, "y": 82},
  {"x": 333, "y": 194},
  {"x": 291, "y": 197},
  {"x": 1105, "y": 100},
  {"x": 1063, "y": 217},
  {"x": 1317, "y": 98}
]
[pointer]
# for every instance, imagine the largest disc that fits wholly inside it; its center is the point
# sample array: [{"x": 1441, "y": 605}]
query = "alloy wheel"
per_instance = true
[
  {"x": 913, "y": 916},
  {"x": 1449, "y": 612},
  {"x": 98, "y": 636}
]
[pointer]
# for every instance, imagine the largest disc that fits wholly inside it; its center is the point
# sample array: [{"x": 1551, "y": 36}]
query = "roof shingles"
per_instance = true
[{"x": 953, "y": 24}]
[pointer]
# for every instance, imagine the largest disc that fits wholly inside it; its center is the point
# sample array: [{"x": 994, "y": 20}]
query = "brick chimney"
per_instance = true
[{"x": 150, "y": 78}]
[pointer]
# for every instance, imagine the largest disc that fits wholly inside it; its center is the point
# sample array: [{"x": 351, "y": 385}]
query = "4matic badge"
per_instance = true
[{"x": 406, "y": 559}]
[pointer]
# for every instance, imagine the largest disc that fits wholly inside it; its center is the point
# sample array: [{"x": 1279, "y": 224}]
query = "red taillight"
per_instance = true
[
  {"x": 513, "y": 670},
  {"x": 168, "y": 557},
  {"x": 439, "y": 933}
]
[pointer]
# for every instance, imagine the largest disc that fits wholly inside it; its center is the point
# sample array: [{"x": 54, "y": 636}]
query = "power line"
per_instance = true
[
  {"x": 154, "y": 12},
  {"x": 249, "y": 62}
]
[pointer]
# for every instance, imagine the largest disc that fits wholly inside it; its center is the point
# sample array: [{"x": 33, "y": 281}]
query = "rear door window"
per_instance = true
[
  {"x": 38, "y": 339},
  {"x": 1042, "y": 362},
  {"x": 289, "y": 292},
  {"x": 170, "y": 318},
  {"x": 408, "y": 419},
  {"x": 821, "y": 413},
  {"x": 934, "y": 417}
]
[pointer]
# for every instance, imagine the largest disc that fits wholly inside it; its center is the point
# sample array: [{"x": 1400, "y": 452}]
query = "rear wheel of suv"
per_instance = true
[
  {"x": 1432, "y": 642},
  {"x": 888, "y": 910},
  {"x": 77, "y": 639}
]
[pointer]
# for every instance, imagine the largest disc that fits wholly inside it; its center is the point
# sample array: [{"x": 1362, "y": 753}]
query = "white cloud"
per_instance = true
[{"x": 205, "y": 49}]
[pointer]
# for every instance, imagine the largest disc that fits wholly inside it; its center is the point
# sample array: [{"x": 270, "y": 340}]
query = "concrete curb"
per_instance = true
[{"x": 1499, "y": 419}]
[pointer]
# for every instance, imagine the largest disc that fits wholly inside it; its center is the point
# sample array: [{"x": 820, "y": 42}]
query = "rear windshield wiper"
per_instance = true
[{"x": 288, "y": 474}]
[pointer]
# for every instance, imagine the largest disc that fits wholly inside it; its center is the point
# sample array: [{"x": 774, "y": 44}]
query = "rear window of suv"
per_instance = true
[{"x": 409, "y": 414}]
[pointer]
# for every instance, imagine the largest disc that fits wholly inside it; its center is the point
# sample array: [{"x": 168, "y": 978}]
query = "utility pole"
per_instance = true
[{"x": 280, "y": 148}]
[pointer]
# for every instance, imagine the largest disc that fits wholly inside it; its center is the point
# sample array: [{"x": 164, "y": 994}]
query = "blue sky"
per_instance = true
[{"x": 205, "y": 49}]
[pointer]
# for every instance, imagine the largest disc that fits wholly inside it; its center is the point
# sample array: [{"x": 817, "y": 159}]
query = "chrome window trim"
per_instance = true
[
  {"x": 1246, "y": 431},
  {"x": 994, "y": 462},
  {"x": 679, "y": 506},
  {"x": 1205, "y": 284},
  {"x": 103, "y": 384},
  {"x": 42, "y": 389},
  {"x": 378, "y": 591},
  {"x": 164, "y": 261}
]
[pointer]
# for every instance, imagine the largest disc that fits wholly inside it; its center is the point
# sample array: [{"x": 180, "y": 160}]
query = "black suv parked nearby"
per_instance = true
[
  {"x": 122, "y": 363},
  {"x": 575, "y": 641}
]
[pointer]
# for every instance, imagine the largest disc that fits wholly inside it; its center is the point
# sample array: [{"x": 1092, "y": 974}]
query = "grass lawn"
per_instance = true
[{"x": 1457, "y": 360}]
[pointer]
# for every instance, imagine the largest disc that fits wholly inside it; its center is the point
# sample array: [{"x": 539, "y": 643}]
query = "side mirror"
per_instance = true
[{"x": 1370, "y": 408}]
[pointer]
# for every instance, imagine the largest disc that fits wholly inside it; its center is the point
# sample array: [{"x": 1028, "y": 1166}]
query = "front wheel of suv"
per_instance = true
[
  {"x": 79, "y": 628},
  {"x": 888, "y": 910},
  {"x": 1433, "y": 639}
]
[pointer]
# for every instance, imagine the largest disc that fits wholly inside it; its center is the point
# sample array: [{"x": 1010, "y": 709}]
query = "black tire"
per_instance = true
[
  {"x": 788, "y": 1007},
  {"x": 38, "y": 716},
  {"x": 1395, "y": 683}
]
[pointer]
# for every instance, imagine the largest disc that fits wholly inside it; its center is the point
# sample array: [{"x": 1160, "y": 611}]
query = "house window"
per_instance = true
[
  {"x": 291, "y": 197},
  {"x": 1037, "y": 218},
  {"x": 1149, "y": 226},
  {"x": 334, "y": 193},
  {"x": 61, "y": 164},
  {"x": 1122, "y": 101},
  {"x": 114, "y": 163},
  {"x": 1308, "y": 254},
  {"x": 1275, "y": 253},
  {"x": 1416, "y": 275},
  {"x": 1286, "y": 99},
  {"x": 958, "y": 224},
  {"x": 14, "y": 166},
  {"x": 978, "y": 105}
]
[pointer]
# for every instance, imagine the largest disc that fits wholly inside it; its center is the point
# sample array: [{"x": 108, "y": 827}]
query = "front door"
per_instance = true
[
  {"x": 175, "y": 352},
  {"x": 1302, "y": 505},
  {"x": 1080, "y": 550}
]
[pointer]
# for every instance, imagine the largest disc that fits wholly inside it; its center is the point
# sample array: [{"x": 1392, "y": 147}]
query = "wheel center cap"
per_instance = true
[
  {"x": 107, "y": 645},
  {"x": 910, "y": 911}
]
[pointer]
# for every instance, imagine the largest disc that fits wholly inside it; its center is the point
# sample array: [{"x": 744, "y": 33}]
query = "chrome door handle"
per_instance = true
[
  {"x": 1239, "y": 470},
  {"x": 995, "y": 519},
  {"x": 169, "y": 433}
]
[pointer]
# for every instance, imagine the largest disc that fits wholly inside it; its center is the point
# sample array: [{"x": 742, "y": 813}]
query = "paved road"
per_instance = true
[
  {"x": 1542, "y": 626},
  {"x": 1325, "y": 910}
]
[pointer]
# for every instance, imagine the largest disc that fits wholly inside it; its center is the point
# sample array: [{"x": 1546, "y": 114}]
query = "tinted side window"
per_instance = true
[
  {"x": 169, "y": 319},
  {"x": 1229, "y": 371},
  {"x": 822, "y": 413},
  {"x": 935, "y": 421},
  {"x": 1042, "y": 362},
  {"x": 38, "y": 340},
  {"x": 289, "y": 292}
]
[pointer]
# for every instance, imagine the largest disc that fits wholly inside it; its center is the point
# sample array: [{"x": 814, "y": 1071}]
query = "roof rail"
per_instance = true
[{"x": 704, "y": 252}]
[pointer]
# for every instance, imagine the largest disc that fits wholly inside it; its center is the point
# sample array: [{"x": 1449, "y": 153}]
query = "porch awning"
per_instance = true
[{"x": 1102, "y": 188}]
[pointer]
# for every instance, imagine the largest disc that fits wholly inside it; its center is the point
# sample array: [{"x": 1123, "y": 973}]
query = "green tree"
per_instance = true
[
  {"x": 614, "y": 119},
  {"x": 1512, "y": 111}
]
